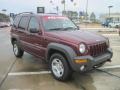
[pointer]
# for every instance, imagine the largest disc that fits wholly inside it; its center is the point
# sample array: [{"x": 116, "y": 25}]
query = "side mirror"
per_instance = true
[{"x": 33, "y": 30}]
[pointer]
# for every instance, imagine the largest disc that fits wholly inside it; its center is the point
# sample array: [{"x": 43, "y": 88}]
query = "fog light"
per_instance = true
[
  {"x": 81, "y": 61},
  {"x": 82, "y": 67}
]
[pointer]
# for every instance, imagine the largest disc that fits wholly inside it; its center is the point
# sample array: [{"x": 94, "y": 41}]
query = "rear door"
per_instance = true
[
  {"x": 15, "y": 25},
  {"x": 22, "y": 30}
]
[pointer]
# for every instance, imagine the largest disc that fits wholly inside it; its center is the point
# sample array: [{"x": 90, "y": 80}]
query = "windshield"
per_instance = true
[{"x": 58, "y": 23}]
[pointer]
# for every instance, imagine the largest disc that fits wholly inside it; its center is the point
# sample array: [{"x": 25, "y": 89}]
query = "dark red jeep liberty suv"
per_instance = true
[{"x": 59, "y": 41}]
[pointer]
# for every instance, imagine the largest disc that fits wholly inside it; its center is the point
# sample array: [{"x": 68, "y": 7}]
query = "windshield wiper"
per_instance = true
[
  {"x": 67, "y": 28},
  {"x": 62, "y": 29},
  {"x": 56, "y": 29}
]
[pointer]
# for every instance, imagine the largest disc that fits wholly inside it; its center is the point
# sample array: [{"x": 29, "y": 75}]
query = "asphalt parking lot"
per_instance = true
[{"x": 31, "y": 73}]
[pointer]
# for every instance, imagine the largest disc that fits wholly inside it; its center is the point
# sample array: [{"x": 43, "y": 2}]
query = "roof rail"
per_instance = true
[{"x": 26, "y": 13}]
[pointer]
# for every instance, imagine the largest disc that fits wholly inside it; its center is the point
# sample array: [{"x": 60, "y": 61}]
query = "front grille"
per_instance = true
[{"x": 98, "y": 49}]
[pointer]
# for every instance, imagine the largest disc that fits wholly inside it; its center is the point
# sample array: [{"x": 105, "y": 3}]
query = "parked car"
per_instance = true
[
  {"x": 4, "y": 24},
  {"x": 58, "y": 41},
  {"x": 105, "y": 24},
  {"x": 87, "y": 21},
  {"x": 114, "y": 24}
]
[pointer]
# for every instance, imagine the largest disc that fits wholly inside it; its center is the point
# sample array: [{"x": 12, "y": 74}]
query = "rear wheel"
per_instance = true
[
  {"x": 59, "y": 67},
  {"x": 18, "y": 52}
]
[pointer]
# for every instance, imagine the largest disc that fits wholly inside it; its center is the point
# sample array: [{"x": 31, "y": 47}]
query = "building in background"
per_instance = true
[
  {"x": 73, "y": 15},
  {"x": 70, "y": 14},
  {"x": 113, "y": 17}
]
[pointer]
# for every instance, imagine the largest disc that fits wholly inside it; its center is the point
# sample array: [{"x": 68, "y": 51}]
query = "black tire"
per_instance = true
[
  {"x": 67, "y": 72},
  {"x": 19, "y": 53}
]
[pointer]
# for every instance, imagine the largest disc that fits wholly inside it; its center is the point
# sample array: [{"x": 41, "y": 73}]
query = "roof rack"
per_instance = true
[{"x": 26, "y": 13}]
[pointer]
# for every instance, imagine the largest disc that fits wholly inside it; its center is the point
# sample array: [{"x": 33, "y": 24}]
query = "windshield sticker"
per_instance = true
[{"x": 55, "y": 17}]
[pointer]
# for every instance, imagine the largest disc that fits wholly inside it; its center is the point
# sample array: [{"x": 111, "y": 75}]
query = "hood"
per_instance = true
[{"x": 77, "y": 36}]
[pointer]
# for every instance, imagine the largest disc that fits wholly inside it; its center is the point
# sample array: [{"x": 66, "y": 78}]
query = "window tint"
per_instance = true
[
  {"x": 16, "y": 21},
  {"x": 33, "y": 24},
  {"x": 23, "y": 22}
]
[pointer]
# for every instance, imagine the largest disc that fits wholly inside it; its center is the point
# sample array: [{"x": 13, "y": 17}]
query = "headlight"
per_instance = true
[{"x": 82, "y": 48}]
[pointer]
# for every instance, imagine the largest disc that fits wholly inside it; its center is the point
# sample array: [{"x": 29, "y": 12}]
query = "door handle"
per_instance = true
[
  {"x": 38, "y": 45},
  {"x": 29, "y": 34},
  {"x": 46, "y": 40}
]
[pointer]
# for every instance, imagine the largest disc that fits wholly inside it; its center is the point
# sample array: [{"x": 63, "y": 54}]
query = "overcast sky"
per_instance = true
[{"x": 97, "y": 6}]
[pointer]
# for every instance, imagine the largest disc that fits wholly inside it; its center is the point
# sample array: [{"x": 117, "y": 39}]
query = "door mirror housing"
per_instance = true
[{"x": 33, "y": 30}]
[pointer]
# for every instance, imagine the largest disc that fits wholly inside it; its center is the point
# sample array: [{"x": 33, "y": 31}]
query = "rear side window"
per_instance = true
[
  {"x": 16, "y": 21},
  {"x": 24, "y": 22}
]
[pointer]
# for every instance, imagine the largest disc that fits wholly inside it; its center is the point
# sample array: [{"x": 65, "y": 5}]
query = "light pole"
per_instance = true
[
  {"x": 86, "y": 9},
  {"x": 64, "y": 7},
  {"x": 63, "y": 2},
  {"x": 109, "y": 7},
  {"x": 86, "y": 15},
  {"x": 57, "y": 9}
]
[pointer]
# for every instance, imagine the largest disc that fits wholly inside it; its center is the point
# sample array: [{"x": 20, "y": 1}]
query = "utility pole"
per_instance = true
[{"x": 109, "y": 7}]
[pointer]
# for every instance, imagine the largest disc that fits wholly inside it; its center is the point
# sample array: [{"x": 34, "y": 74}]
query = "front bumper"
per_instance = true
[{"x": 93, "y": 62}]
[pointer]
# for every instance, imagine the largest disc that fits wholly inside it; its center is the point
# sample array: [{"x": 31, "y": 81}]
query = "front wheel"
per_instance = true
[
  {"x": 18, "y": 52},
  {"x": 59, "y": 67}
]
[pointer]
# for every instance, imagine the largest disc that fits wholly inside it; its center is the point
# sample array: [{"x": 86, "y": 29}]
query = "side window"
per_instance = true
[
  {"x": 33, "y": 24},
  {"x": 16, "y": 21},
  {"x": 23, "y": 22}
]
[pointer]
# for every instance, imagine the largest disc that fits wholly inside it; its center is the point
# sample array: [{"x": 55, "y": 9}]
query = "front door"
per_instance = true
[{"x": 36, "y": 38}]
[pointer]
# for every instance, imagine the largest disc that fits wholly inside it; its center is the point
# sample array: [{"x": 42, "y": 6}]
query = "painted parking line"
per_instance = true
[
  {"x": 20, "y": 89},
  {"x": 48, "y": 72},
  {"x": 110, "y": 34},
  {"x": 28, "y": 73},
  {"x": 111, "y": 67},
  {"x": 116, "y": 46}
]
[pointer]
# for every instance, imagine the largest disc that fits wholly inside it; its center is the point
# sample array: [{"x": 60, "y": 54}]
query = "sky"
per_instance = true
[{"x": 96, "y": 6}]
